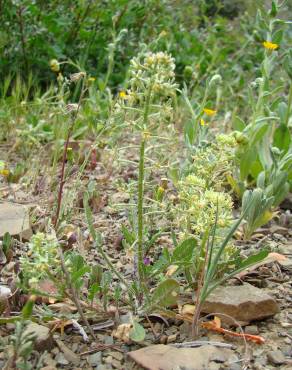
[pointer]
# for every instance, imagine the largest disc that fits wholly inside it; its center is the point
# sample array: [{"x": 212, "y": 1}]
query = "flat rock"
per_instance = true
[
  {"x": 14, "y": 219},
  {"x": 43, "y": 339},
  {"x": 243, "y": 303},
  {"x": 163, "y": 357},
  {"x": 68, "y": 354},
  {"x": 276, "y": 357}
]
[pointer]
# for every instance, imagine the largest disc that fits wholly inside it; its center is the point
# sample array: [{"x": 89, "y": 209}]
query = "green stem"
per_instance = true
[
  {"x": 141, "y": 176},
  {"x": 140, "y": 209},
  {"x": 288, "y": 105}
]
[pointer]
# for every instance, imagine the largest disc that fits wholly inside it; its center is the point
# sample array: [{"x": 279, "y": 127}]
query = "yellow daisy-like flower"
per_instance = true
[
  {"x": 123, "y": 95},
  {"x": 270, "y": 46},
  {"x": 4, "y": 172},
  {"x": 202, "y": 122},
  {"x": 209, "y": 112}
]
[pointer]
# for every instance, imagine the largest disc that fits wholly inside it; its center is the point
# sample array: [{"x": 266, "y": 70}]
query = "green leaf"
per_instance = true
[
  {"x": 26, "y": 312},
  {"x": 261, "y": 180},
  {"x": 6, "y": 243},
  {"x": 184, "y": 251},
  {"x": 238, "y": 124},
  {"x": 166, "y": 294},
  {"x": 282, "y": 111},
  {"x": 250, "y": 261},
  {"x": 282, "y": 138},
  {"x": 137, "y": 333},
  {"x": 128, "y": 235}
]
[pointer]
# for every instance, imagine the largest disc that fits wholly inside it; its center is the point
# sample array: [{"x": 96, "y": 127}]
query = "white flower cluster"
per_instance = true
[{"x": 155, "y": 70}]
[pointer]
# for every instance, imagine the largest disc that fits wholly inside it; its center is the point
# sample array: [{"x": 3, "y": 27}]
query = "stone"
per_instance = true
[
  {"x": 244, "y": 303},
  {"x": 94, "y": 359},
  {"x": 276, "y": 357},
  {"x": 251, "y": 329},
  {"x": 116, "y": 364},
  {"x": 61, "y": 360},
  {"x": 68, "y": 354},
  {"x": 14, "y": 219},
  {"x": 109, "y": 340},
  {"x": 171, "y": 338},
  {"x": 43, "y": 339},
  {"x": 117, "y": 355},
  {"x": 165, "y": 357}
]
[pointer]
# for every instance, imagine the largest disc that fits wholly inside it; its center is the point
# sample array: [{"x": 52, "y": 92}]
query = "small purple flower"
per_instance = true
[{"x": 146, "y": 261}]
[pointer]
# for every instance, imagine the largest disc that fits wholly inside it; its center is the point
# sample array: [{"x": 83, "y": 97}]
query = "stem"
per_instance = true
[
  {"x": 141, "y": 176},
  {"x": 64, "y": 160},
  {"x": 201, "y": 283},
  {"x": 140, "y": 209},
  {"x": 288, "y": 105}
]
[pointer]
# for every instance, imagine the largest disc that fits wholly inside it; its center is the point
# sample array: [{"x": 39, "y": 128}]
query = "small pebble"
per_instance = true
[
  {"x": 251, "y": 329},
  {"x": 61, "y": 360},
  {"x": 116, "y": 364},
  {"x": 94, "y": 359},
  {"x": 276, "y": 357},
  {"x": 171, "y": 338},
  {"x": 108, "y": 360},
  {"x": 163, "y": 339},
  {"x": 117, "y": 355},
  {"x": 108, "y": 340}
]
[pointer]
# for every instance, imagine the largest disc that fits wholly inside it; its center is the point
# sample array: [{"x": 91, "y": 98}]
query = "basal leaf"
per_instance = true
[
  {"x": 137, "y": 333},
  {"x": 166, "y": 294},
  {"x": 184, "y": 251}
]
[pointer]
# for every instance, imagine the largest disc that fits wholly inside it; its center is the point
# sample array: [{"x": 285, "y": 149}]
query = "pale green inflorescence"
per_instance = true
[
  {"x": 151, "y": 76},
  {"x": 201, "y": 193},
  {"x": 214, "y": 162},
  {"x": 42, "y": 256}
]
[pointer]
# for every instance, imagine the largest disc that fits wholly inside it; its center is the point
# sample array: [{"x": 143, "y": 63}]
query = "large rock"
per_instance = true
[
  {"x": 161, "y": 357},
  {"x": 43, "y": 339},
  {"x": 243, "y": 303},
  {"x": 14, "y": 219}
]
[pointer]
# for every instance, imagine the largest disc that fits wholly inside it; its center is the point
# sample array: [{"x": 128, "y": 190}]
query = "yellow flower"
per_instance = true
[
  {"x": 270, "y": 46},
  {"x": 123, "y": 95},
  {"x": 4, "y": 172},
  {"x": 91, "y": 79},
  {"x": 55, "y": 66},
  {"x": 202, "y": 122},
  {"x": 209, "y": 112},
  {"x": 146, "y": 135}
]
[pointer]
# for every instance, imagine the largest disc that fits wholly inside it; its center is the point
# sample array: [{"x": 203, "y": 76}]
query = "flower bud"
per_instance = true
[
  {"x": 188, "y": 72},
  {"x": 54, "y": 65},
  {"x": 215, "y": 80}
]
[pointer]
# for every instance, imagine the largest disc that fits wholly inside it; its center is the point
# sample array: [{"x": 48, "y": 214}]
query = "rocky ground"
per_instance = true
[{"x": 259, "y": 300}]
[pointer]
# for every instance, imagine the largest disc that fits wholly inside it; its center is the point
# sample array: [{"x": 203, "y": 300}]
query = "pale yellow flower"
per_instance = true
[
  {"x": 4, "y": 172},
  {"x": 91, "y": 79},
  {"x": 270, "y": 46},
  {"x": 209, "y": 112},
  {"x": 55, "y": 66}
]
